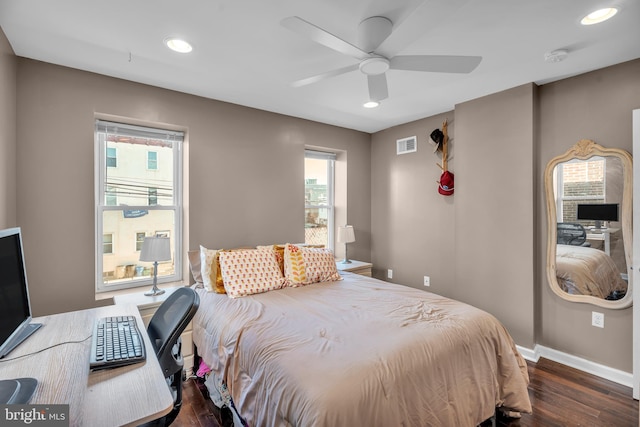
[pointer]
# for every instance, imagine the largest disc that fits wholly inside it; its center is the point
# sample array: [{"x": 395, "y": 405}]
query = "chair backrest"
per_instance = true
[
  {"x": 570, "y": 233},
  {"x": 166, "y": 325}
]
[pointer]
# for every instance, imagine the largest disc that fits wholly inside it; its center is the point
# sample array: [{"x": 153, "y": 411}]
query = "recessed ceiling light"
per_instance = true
[
  {"x": 178, "y": 45},
  {"x": 598, "y": 16},
  {"x": 371, "y": 104}
]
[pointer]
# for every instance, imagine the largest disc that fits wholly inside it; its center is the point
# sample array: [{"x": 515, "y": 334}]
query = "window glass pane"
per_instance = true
[
  {"x": 318, "y": 181},
  {"x": 112, "y": 160},
  {"x": 153, "y": 197},
  {"x": 139, "y": 241},
  {"x": 315, "y": 226},
  {"x": 152, "y": 160},
  {"x": 132, "y": 181},
  {"x": 582, "y": 182},
  {"x": 107, "y": 243},
  {"x": 123, "y": 264},
  {"x": 315, "y": 182},
  {"x": 111, "y": 196}
]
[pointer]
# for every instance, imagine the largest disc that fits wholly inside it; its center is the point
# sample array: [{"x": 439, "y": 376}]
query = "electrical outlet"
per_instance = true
[
  {"x": 427, "y": 281},
  {"x": 597, "y": 319},
  {"x": 389, "y": 274}
]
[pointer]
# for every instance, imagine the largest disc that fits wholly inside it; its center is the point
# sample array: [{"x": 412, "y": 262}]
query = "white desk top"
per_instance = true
[{"x": 128, "y": 395}]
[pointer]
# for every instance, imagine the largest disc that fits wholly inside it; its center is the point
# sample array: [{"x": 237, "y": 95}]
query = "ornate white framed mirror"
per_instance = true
[{"x": 589, "y": 240}]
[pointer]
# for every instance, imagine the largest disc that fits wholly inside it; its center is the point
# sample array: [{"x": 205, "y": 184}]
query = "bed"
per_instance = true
[
  {"x": 587, "y": 271},
  {"x": 357, "y": 351}
]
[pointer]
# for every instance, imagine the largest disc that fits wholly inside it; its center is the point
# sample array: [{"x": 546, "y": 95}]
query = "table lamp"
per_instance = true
[
  {"x": 346, "y": 235},
  {"x": 155, "y": 249}
]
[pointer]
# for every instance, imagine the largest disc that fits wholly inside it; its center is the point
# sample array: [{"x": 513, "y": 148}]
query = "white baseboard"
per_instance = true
[{"x": 602, "y": 371}]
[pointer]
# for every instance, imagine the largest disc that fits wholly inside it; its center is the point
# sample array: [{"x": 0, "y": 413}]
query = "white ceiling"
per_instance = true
[{"x": 243, "y": 55}]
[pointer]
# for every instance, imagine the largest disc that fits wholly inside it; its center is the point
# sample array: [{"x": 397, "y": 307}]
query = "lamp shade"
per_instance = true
[
  {"x": 346, "y": 234},
  {"x": 156, "y": 249}
]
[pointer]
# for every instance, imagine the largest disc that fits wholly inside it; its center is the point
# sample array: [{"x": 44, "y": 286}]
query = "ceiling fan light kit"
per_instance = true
[
  {"x": 373, "y": 33},
  {"x": 556, "y": 55}
]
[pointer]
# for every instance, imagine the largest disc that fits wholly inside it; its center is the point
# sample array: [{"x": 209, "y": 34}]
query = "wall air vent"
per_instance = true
[{"x": 406, "y": 145}]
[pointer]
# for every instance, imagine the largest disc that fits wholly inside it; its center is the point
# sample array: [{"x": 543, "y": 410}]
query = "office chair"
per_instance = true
[
  {"x": 570, "y": 233},
  {"x": 165, "y": 327}
]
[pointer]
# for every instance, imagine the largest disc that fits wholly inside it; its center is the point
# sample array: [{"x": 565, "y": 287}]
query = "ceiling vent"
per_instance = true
[{"x": 406, "y": 145}]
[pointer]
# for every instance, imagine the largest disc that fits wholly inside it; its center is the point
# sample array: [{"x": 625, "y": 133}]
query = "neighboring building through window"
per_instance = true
[
  {"x": 138, "y": 192},
  {"x": 318, "y": 197}
]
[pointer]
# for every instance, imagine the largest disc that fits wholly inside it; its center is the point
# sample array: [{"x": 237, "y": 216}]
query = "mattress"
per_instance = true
[{"x": 359, "y": 351}]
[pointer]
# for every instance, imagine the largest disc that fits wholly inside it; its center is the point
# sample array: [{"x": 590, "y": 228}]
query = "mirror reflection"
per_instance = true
[{"x": 588, "y": 199}]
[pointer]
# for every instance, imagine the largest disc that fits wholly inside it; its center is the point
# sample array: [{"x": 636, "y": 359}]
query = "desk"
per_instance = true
[
  {"x": 604, "y": 234},
  {"x": 128, "y": 395}
]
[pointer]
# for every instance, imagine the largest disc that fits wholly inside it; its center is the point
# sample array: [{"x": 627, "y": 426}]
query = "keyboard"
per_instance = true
[{"x": 116, "y": 341}]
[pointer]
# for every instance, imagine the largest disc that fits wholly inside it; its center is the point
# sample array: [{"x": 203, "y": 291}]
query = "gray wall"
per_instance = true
[
  {"x": 595, "y": 106},
  {"x": 7, "y": 134},
  {"x": 244, "y": 169},
  {"x": 476, "y": 245}
]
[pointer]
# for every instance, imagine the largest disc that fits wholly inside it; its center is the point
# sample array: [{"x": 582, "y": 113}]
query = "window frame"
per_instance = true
[
  {"x": 331, "y": 177},
  {"x": 562, "y": 198},
  {"x": 176, "y": 137}
]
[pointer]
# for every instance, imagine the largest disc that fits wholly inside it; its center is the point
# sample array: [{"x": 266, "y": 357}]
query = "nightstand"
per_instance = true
[
  {"x": 358, "y": 267},
  {"x": 147, "y": 305}
]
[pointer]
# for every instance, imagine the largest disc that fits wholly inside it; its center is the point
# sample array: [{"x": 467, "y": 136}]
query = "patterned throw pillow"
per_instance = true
[
  {"x": 210, "y": 270},
  {"x": 250, "y": 271},
  {"x": 306, "y": 265}
]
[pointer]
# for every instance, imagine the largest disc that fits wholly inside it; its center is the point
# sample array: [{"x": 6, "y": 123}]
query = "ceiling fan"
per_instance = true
[{"x": 372, "y": 33}]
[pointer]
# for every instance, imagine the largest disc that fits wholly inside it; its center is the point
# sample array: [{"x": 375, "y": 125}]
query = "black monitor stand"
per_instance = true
[{"x": 17, "y": 391}]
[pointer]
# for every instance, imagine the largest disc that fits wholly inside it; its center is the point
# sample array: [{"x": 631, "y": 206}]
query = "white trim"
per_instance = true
[
  {"x": 635, "y": 277},
  {"x": 593, "y": 368}
]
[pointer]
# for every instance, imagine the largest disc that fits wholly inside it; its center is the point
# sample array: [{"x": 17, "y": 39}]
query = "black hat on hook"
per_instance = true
[{"x": 437, "y": 137}]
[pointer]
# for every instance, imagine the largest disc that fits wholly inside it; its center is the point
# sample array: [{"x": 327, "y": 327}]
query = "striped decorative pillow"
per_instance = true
[{"x": 250, "y": 271}]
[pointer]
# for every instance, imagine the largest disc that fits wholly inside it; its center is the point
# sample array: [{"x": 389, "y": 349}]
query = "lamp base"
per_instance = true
[
  {"x": 154, "y": 292},
  {"x": 346, "y": 261}
]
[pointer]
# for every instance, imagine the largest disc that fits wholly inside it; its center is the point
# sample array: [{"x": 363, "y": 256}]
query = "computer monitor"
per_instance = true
[
  {"x": 15, "y": 307},
  {"x": 598, "y": 212}
]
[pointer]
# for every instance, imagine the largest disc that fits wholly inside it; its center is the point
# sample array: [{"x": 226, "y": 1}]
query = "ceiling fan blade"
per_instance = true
[
  {"x": 377, "y": 87},
  {"x": 424, "y": 19},
  {"x": 318, "y": 35},
  {"x": 318, "y": 77},
  {"x": 435, "y": 63}
]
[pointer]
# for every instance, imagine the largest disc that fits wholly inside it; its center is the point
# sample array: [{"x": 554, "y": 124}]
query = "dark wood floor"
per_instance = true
[{"x": 561, "y": 396}]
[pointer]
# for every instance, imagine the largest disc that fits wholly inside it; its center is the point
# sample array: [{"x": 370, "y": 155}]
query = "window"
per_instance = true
[
  {"x": 153, "y": 197},
  {"x": 152, "y": 160},
  {"x": 577, "y": 182},
  {"x": 112, "y": 160},
  {"x": 134, "y": 200},
  {"x": 107, "y": 243},
  {"x": 111, "y": 196},
  {"x": 318, "y": 197},
  {"x": 139, "y": 241}
]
